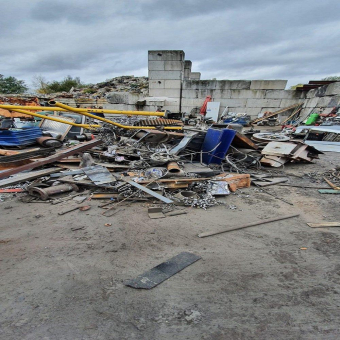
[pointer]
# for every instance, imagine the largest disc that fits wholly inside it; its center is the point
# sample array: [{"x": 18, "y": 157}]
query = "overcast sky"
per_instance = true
[{"x": 298, "y": 40}]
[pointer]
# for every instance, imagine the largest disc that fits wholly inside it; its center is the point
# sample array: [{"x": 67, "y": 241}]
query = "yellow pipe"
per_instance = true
[
  {"x": 85, "y": 126},
  {"x": 117, "y": 112},
  {"x": 69, "y": 108},
  {"x": 34, "y": 108}
]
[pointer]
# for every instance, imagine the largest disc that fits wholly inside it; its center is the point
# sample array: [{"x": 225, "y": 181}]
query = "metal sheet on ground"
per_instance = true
[
  {"x": 99, "y": 175},
  {"x": 163, "y": 271}
]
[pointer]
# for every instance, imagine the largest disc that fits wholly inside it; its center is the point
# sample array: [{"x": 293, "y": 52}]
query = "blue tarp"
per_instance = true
[{"x": 22, "y": 137}]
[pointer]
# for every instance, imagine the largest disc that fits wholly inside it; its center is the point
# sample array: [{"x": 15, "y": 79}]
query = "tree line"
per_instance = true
[{"x": 12, "y": 85}]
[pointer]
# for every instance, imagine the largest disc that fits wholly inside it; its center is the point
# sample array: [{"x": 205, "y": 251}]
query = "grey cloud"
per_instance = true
[{"x": 240, "y": 39}]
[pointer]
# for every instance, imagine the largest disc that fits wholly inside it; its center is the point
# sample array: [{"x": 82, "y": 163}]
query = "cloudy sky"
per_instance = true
[{"x": 298, "y": 40}]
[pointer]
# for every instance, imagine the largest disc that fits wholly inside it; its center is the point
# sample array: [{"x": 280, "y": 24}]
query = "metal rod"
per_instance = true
[
  {"x": 117, "y": 112},
  {"x": 85, "y": 113},
  {"x": 253, "y": 224}
]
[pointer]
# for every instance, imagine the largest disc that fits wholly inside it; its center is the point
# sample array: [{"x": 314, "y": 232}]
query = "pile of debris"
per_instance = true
[
  {"x": 117, "y": 84},
  {"x": 148, "y": 159}
]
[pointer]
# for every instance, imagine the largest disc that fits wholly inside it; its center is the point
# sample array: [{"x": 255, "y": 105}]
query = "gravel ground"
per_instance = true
[{"x": 256, "y": 283}]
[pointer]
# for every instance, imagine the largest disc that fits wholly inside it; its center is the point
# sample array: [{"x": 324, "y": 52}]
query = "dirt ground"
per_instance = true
[{"x": 256, "y": 283}]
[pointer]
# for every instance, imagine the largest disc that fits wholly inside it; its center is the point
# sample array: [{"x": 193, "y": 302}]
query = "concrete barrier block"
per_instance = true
[
  {"x": 269, "y": 109},
  {"x": 190, "y": 93},
  {"x": 199, "y": 84},
  {"x": 284, "y": 94},
  {"x": 174, "y": 65},
  {"x": 311, "y": 94},
  {"x": 289, "y": 102},
  {"x": 171, "y": 108},
  {"x": 333, "y": 89},
  {"x": 205, "y": 92},
  {"x": 190, "y": 84},
  {"x": 268, "y": 84},
  {"x": 155, "y": 101},
  {"x": 313, "y": 102},
  {"x": 156, "y": 65},
  {"x": 162, "y": 75},
  {"x": 164, "y": 93},
  {"x": 240, "y": 103},
  {"x": 247, "y": 94},
  {"x": 195, "y": 75},
  {"x": 329, "y": 101},
  {"x": 172, "y": 101},
  {"x": 157, "y": 84},
  {"x": 232, "y": 84},
  {"x": 192, "y": 102},
  {"x": 172, "y": 84},
  {"x": 321, "y": 91},
  {"x": 264, "y": 102},
  {"x": 166, "y": 55},
  {"x": 218, "y": 94},
  {"x": 239, "y": 84}
]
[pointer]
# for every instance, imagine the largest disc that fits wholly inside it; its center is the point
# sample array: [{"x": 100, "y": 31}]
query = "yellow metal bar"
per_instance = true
[
  {"x": 34, "y": 108},
  {"x": 117, "y": 112},
  {"x": 69, "y": 108},
  {"x": 85, "y": 126}
]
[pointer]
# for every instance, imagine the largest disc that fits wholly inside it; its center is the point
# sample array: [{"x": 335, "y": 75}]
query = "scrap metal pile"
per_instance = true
[{"x": 136, "y": 156}]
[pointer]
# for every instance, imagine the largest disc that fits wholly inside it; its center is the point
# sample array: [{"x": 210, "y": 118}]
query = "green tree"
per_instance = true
[
  {"x": 65, "y": 85},
  {"x": 332, "y": 78},
  {"x": 40, "y": 84},
  {"x": 295, "y": 86},
  {"x": 13, "y": 85}
]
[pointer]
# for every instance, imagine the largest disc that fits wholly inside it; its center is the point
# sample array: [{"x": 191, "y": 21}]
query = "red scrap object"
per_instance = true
[
  {"x": 203, "y": 110},
  {"x": 11, "y": 190}
]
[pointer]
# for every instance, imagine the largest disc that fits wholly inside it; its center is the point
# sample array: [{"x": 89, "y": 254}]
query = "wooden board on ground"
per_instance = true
[
  {"x": 324, "y": 224},
  {"x": 270, "y": 181},
  {"x": 27, "y": 176},
  {"x": 242, "y": 141}
]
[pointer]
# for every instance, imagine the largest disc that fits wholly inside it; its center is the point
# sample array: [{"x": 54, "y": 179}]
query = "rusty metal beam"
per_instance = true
[{"x": 62, "y": 154}]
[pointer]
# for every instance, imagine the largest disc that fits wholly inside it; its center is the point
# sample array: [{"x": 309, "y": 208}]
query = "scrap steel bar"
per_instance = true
[
  {"x": 65, "y": 153},
  {"x": 148, "y": 191},
  {"x": 253, "y": 224},
  {"x": 89, "y": 114}
]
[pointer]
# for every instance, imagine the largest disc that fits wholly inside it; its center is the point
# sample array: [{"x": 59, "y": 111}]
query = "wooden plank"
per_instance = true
[
  {"x": 274, "y": 114},
  {"x": 269, "y": 181},
  {"x": 242, "y": 141},
  {"x": 47, "y": 160},
  {"x": 324, "y": 224},
  {"x": 27, "y": 176}
]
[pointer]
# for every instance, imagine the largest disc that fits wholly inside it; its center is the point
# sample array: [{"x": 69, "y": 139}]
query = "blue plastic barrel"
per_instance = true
[{"x": 214, "y": 137}]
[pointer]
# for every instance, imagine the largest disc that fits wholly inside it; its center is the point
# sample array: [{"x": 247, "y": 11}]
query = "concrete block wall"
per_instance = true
[
  {"x": 167, "y": 70},
  {"x": 240, "y": 96},
  {"x": 322, "y": 99},
  {"x": 174, "y": 87}
]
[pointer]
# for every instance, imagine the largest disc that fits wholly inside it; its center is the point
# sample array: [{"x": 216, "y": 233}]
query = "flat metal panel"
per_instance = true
[
  {"x": 213, "y": 109},
  {"x": 56, "y": 127}
]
